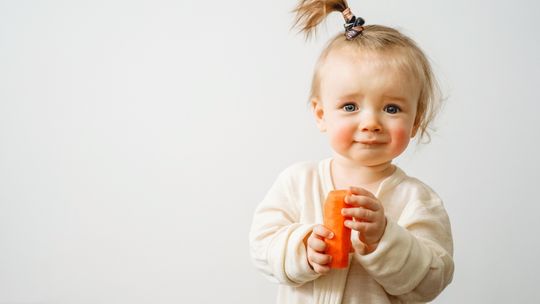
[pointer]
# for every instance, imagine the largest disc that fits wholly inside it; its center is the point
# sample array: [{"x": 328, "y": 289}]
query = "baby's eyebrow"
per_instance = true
[
  {"x": 396, "y": 98},
  {"x": 399, "y": 99},
  {"x": 350, "y": 95}
]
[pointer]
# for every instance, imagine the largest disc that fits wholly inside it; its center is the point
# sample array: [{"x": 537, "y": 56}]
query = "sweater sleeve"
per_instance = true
[
  {"x": 413, "y": 260},
  {"x": 277, "y": 238}
]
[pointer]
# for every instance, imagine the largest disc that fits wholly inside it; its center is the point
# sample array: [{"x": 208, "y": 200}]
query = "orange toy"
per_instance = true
[{"x": 340, "y": 245}]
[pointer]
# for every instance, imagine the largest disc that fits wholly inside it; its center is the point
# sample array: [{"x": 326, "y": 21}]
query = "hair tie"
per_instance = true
[{"x": 353, "y": 25}]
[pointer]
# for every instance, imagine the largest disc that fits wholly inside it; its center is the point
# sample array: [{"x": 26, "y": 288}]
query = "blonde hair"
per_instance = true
[{"x": 377, "y": 39}]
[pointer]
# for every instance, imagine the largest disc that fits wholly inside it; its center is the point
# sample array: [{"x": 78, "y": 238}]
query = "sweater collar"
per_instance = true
[{"x": 386, "y": 185}]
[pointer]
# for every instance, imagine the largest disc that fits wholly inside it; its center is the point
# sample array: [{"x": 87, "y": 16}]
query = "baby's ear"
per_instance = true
[{"x": 318, "y": 111}]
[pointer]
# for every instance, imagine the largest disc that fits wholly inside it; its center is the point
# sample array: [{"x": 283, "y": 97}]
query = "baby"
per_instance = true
[{"x": 372, "y": 92}]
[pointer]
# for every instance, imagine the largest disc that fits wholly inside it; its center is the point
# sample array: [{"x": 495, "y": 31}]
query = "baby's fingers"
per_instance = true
[
  {"x": 319, "y": 258},
  {"x": 316, "y": 244},
  {"x": 363, "y": 201},
  {"x": 318, "y": 261},
  {"x": 320, "y": 269},
  {"x": 360, "y": 214},
  {"x": 322, "y": 232},
  {"x": 361, "y": 191}
]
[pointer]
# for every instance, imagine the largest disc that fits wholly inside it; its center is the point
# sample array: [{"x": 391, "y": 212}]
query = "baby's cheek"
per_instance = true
[
  {"x": 343, "y": 136},
  {"x": 400, "y": 139}
]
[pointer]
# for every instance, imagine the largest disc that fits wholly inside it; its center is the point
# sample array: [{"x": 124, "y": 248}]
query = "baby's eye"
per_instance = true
[
  {"x": 350, "y": 107},
  {"x": 392, "y": 109}
]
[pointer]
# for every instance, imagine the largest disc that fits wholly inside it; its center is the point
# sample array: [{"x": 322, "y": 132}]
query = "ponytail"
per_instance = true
[{"x": 310, "y": 13}]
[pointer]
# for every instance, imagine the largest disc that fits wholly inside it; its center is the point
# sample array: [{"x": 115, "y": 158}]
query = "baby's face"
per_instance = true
[{"x": 367, "y": 105}]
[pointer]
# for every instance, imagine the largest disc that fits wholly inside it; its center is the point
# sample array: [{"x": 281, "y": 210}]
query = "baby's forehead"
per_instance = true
[
  {"x": 349, "y": 71},
  {"x": 347, "y": 58},
  {"x": 343, "y": 63}
]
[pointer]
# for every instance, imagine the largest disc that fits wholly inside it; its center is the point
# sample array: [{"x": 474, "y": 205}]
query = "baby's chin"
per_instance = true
[{"x": 365, "y": 159}]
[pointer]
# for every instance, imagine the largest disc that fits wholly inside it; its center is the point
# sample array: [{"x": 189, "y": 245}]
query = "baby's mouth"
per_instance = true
[{"x": 369, "y": 142}]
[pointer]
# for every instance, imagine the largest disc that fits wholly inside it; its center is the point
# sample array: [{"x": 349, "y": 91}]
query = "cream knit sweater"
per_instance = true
[{"x": 412, "y": 263}]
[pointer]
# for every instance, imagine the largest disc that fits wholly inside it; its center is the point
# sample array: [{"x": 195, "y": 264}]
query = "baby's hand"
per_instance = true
[
  {"x": 316, "y": 247},
  {"x": 368, "y": 217}
]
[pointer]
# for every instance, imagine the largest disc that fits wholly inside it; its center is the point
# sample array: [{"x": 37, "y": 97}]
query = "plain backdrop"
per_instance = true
[{"x": 137, "y": 138}]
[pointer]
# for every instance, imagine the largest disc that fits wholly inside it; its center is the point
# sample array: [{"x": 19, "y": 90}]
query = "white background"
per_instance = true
[{"x": 137, "y": 138}]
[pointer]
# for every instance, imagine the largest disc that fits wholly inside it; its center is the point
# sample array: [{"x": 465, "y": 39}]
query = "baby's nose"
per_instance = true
[{"x": 370, "y": 123}]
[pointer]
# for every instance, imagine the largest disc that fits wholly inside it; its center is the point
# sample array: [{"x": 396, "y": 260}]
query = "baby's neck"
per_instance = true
[{"x": 345, "y": 174}]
